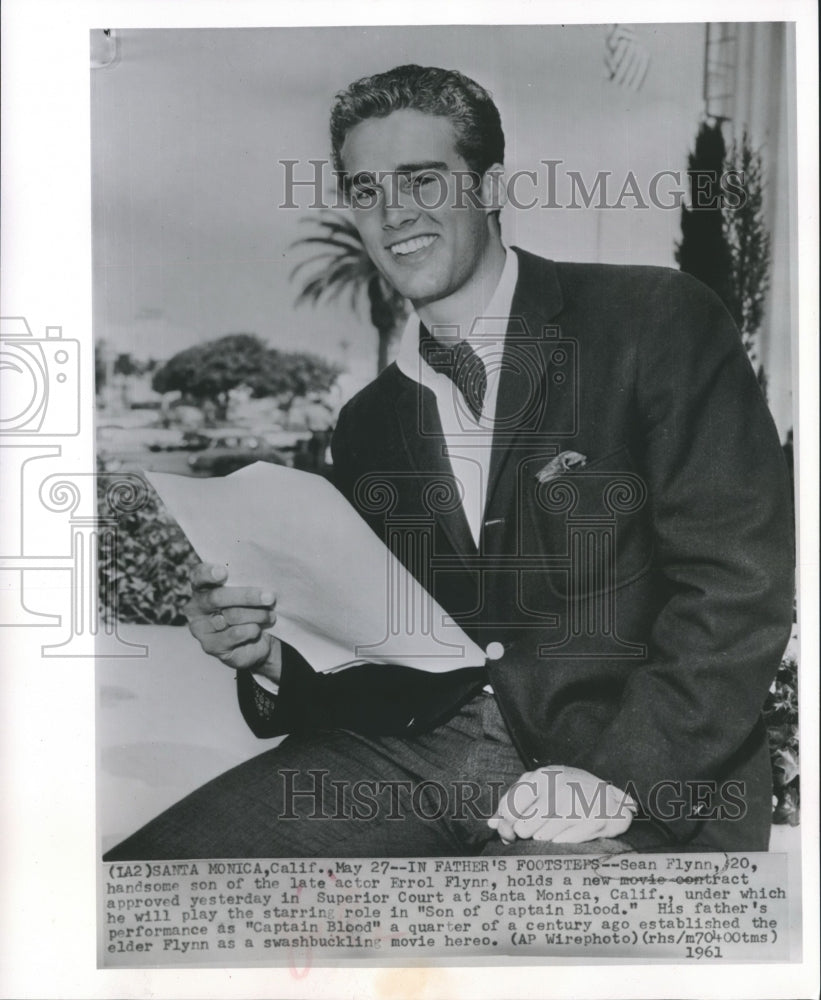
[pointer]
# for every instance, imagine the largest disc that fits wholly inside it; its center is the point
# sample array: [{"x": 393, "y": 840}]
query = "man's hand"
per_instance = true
[
  {"x": 229, "y": 622},
  {"x": 565, "y": 805}
]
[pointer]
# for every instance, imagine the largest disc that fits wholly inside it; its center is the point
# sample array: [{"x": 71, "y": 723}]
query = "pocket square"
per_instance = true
[{"x": 566, "y": 461}]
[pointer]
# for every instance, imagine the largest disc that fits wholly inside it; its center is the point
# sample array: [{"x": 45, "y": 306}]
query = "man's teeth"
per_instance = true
[{"x": 411, "y": 246}]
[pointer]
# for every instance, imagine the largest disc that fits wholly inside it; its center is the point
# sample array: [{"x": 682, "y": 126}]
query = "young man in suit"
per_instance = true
[{"x": 584, "y": 455}]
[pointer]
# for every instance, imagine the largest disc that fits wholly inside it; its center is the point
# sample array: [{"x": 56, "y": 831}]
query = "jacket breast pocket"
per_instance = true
[{"x": 586, "y": 530}]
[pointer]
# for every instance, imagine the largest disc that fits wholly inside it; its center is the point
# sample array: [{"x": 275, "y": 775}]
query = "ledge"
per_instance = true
[{"x": 169, "y": 721}]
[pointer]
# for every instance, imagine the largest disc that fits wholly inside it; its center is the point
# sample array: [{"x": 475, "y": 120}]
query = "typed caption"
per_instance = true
[{"x": 300, "y": 913}]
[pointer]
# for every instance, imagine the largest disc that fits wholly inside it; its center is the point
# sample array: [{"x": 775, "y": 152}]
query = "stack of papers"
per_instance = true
[{"x": 342, "y": 596}]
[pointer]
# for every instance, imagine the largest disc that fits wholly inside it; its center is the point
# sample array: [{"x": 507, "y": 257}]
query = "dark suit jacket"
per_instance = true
[{"x": 643, "y": 600}]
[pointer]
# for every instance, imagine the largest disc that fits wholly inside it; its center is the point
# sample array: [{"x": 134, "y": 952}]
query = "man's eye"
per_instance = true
[
  {"x": 363, "y": 197},
  {"x": 422, "y": 179},
  {"x": 416, "y": 182}
]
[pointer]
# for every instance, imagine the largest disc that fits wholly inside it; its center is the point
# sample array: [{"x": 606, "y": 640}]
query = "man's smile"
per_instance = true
[{"x": 412, "y": 246}]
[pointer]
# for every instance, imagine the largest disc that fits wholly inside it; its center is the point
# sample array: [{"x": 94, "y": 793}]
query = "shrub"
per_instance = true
[
  {"x": 781, "y": 717},
  {"x": 143, "y": 579}
]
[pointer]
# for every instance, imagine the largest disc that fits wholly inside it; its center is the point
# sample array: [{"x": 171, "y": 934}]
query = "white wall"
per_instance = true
[{"x": 765, "y": 107}]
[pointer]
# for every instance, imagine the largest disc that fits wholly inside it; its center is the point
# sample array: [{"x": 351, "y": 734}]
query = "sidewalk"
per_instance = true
[{"x": 166, "y": 724}]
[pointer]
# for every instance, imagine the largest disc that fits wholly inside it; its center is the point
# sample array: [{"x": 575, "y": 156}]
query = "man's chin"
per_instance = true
[{"x": 418, "y": 288}]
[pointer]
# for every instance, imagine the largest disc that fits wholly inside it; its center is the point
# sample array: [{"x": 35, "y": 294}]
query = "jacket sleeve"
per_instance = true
[
  {"x": 377, "y": 699},
  {"x": 720, "y": 508}
]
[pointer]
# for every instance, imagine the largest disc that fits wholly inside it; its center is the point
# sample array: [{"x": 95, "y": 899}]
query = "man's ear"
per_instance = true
[{"x": 494, "y": 189}]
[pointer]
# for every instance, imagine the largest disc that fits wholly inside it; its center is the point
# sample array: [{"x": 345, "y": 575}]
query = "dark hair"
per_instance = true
[{"x": 445, "y": 93}]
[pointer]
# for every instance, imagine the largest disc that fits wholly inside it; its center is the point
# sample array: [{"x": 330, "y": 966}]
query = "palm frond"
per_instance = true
[
  {"x": 339, "y": 227},
  {"x": 346, "y": 245},
  {"x": 343, "y": 266},
  {"x": 344, "y": 262},
  {"x": 319, "y": 260}
]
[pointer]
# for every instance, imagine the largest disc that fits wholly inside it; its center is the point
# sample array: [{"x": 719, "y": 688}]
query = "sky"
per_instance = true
[{"x": 189, "y": 128}]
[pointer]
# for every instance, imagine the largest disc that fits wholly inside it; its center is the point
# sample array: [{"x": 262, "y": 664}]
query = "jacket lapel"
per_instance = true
[
  {"x": 527, "y": 361},
  {"x": 520, "y": 404},
  {"x": 424, "y": 444}
]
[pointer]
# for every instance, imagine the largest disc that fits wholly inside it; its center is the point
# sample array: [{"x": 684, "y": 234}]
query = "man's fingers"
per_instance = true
[
  {"x": 250, "y": 654},
  {"x": 228, "y": 605},
  {"x": 545, "y": 805},
  {"x": 235, "y": 597},
  {"x": 264, "y": 617},
  {"x": 203, "y": 602},
  {"x": 520, "y": 802},
  {"x": 526, "y": 809},
  {"x": 579, "y": 831},
  {"x": 208, "y": 575},
  {"x": 218, "y": 621},
  {"x": 219, "y": 642},
  {"x": 505, "y": 830},
  {"x": 620, "y": 804}
]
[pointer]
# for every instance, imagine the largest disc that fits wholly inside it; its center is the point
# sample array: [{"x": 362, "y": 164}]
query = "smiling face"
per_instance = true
[{"x": 424, "y": 222}]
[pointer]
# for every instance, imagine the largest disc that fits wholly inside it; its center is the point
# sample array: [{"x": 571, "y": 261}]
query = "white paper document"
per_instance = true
[{"x": 342, "y": 596}]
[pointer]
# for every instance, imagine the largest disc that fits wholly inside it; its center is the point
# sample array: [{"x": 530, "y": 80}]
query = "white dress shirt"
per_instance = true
[{"x": 467, "y": 441}]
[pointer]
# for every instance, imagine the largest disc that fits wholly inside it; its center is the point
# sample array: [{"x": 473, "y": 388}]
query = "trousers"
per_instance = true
[{"x": 343, "y": 794}]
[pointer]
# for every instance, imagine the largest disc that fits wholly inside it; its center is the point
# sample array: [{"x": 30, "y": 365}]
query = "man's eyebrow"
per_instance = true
[
  {"x": 368, "y": 176},
  {"x": 412, "y": 168}
]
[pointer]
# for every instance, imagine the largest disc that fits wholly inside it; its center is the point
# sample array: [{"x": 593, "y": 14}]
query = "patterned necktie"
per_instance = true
[{"x": 462, "y": 365}]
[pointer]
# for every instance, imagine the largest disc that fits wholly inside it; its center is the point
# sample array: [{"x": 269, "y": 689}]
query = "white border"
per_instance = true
[{"x": 47, "y": 922}]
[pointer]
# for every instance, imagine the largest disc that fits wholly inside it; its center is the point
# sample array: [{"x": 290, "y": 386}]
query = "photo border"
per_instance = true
[{"x": 49, "y": 913}]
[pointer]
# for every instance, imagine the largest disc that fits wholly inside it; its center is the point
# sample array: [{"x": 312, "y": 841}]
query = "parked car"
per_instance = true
[
  {"x": 187, "y": 441},
  {"x": 229, "y": 452},
  {"x": 285, "y": 440}
]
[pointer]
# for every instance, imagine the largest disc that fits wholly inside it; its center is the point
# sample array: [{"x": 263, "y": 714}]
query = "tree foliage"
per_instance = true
[
  {"x": 343, "y": 267},
  {"x": 749, "y": 242},
  {"x": 100, "y": 373},
  {"x": 704, "y": 250},
  {"x": 725, "y": 242},
  {"x": 781, "y": 718},
  {"x": 144, "y": 578},
  {"x": 126, "y": 364},
  {"x": 209, "y": 371},
  {"x": 292, "y": 375}
]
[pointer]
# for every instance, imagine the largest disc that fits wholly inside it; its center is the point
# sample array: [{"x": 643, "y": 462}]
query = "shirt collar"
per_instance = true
[{"x": 408, "y": 359}]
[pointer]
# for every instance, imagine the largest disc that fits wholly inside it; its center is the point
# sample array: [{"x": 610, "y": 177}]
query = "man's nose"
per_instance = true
[{"x": 399, "y": 207}]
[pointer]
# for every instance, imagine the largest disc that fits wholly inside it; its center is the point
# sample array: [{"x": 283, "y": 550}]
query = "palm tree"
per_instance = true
[{"x": 343, "y": 265}]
